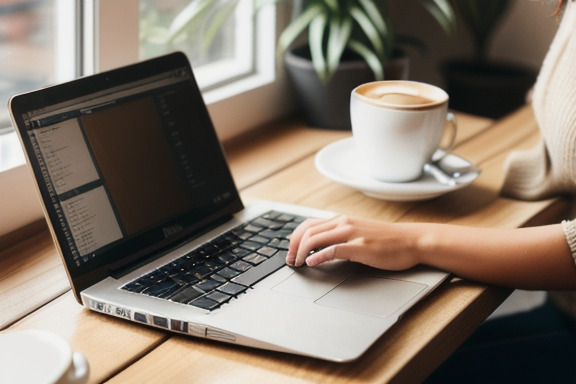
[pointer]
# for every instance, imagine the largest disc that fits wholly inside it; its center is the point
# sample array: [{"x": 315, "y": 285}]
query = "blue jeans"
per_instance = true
[{"x": 537, "y": 346}]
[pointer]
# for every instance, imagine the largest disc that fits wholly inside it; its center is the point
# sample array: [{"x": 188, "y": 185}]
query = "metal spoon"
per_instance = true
[{"x": 449, "y": 174}]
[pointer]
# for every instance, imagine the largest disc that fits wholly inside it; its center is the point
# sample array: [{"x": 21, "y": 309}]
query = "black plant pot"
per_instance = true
[
  {"x": 491, "y": 90},
  {"x": 328, "y": 105}
]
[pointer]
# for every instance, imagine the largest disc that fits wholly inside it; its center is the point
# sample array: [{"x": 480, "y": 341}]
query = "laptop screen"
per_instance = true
[{"x": 127, "y": 162}]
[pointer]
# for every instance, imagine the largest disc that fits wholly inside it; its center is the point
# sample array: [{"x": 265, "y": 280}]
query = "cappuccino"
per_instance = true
[
  {"x": 397, "y": 127},
  {"x": 401, "y": 94}
]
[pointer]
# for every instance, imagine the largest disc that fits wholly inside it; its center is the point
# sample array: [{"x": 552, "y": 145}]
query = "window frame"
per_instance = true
[
  {"x": 252, "y": 101},
  {"x": 110, "y": 39}
]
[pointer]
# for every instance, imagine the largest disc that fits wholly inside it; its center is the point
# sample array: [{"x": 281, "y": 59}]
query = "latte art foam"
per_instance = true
[
  {"x": 401, "y": 95},
  {"x": 401, "y": 99}
]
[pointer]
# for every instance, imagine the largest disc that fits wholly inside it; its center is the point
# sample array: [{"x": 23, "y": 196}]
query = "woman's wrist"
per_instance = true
[{"x": 427, "y": 242}]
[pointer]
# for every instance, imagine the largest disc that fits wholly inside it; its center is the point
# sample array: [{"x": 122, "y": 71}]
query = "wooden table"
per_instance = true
[{"x": 278, "y": 164}]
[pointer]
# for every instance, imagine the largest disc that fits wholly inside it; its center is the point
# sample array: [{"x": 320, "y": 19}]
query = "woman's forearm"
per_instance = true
[{"x": 529, "y": 258}]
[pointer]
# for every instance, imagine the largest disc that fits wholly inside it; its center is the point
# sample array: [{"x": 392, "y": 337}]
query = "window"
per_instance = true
[
  {"x": 87, "y": 36},
  {"x": 239, "y": 60},
  {"x": 242, "y": 100},
  {"x": 218, "y": 39},
  {"x": 37, "y": 47},
  {"x": 32, "y": 36}
]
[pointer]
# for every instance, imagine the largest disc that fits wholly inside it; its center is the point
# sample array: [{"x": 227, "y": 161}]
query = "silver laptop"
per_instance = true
[{"x": 150, "y": 226}]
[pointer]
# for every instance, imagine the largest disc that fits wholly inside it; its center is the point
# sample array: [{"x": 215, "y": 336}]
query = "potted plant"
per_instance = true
[
  {"x": 348, "y": 43},
  {"x": 479, "y": 85}
]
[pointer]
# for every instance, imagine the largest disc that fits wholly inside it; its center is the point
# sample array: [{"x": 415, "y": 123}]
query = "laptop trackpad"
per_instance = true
[
  {"x": 376, "y": 296},
  {"x": 360, "y": 293}
]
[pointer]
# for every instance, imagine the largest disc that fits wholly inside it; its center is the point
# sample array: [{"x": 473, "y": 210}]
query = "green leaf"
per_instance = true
[
  {"x": 369, "y": 57},
  {"x": 370, "y": 31},
  {"x": 315, "y": 40},
  {"x": 298, "y": 26},
  {"x": 332, "y": 5},
  {"x": 372, "y": 11},
  {"x": 187, "y": 19},
  {"x": 259, "y": 4},
  {"x": 443, "y": 12},
  {"x": 338, "y": 37},
  {"x": 217, "y": 20}
]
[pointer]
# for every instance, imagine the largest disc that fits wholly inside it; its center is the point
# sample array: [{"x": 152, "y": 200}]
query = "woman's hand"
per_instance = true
[
  {"x": 527, "y": 258},
  {"x": 378, "y": 244}
]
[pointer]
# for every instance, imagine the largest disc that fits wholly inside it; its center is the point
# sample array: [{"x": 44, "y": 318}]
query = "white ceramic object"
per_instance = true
[
  {"x": 398, "y": 125},
  {"x": 34, "y": 356},
  {"x": 341, "y": 162}
]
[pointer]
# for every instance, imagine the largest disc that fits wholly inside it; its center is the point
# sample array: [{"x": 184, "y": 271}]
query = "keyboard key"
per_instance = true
[
  {"x": 241, "y": 266},
  {"x": 244, "y": 235},
  {"x": 251, "y": 245},
  {"x": 259, "y": 272},
  {"x": 209, "y": 249},
  {"x": 227, "y": 257},
  {"x": 285, "y": 217},
  {"x": 267, "y": 251},
  {"x": 214, "y": 264},
  {"x": 252, "y": 228},
  {"x": 259, "y": 239},
  {"x": 255, "y": 258},
  {"x": 263, "y": 222},
  {"x": 232, "y": 289},
  {"x": 135, "y": 286},
  {"x": 193, "y": 258},
  {"x": 160, "y": 287},
  {"x": 240, "y": 252},
  {"x": 272, "y": 215},
  {"x": 219, "y": 278},
  {"x": 186, "y": 295},
  {"x": 201, "y": 271},
  {"x": 219, "y": 297},
  {"x": 205, "y": 303},
  {"x": 284, "y": 244},
  {"x": 284, "y": 233},
  {"x": 208, "y": 285},
  {"x": 185, "y": 278},
  {"x": 168, "y": 292},
  {"x": 228, "y": 273},
  {"x": 270, "y": 234}
]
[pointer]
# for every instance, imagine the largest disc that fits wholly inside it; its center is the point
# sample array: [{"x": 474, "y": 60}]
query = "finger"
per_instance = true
[
  {"x": 345, "y": 251},
  {"x": 296, "y": 239},
  {"x": 321, "y": 256},
  {"x": 319, "y": 236}
]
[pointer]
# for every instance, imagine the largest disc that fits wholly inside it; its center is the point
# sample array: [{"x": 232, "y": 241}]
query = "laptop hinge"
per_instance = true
[{"x": 152, "y": 255}]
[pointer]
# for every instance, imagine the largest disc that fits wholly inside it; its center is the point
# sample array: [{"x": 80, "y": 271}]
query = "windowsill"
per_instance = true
[
  {"x": 11, "y": 155},
  {"x": 19, "y": 204}
]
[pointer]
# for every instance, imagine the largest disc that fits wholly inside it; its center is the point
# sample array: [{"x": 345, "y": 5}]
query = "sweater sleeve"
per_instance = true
[
  {"x": 549, "y": 169},
  {"x": 529, "y": 175},
  {"x": 570, "y": 232}
]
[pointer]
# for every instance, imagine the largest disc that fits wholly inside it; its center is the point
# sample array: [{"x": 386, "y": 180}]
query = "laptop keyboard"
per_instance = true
[{"x": 224, "y": 268}]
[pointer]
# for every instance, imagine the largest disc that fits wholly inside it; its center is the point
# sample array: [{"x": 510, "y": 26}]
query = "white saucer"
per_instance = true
[{"x": 339, "y": 161}]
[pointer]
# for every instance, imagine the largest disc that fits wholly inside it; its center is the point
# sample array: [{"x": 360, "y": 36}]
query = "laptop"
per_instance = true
[{"x": 150, "y": 226}]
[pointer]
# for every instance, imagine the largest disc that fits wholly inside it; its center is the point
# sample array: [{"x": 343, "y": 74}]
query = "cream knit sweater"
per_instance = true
[{"x": 550, "y": 168}]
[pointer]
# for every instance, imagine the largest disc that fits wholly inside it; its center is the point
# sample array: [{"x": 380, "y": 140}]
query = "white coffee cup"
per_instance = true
[
  {"x": 398, "y": 126},
  {"x": 35, "y": 356}
]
